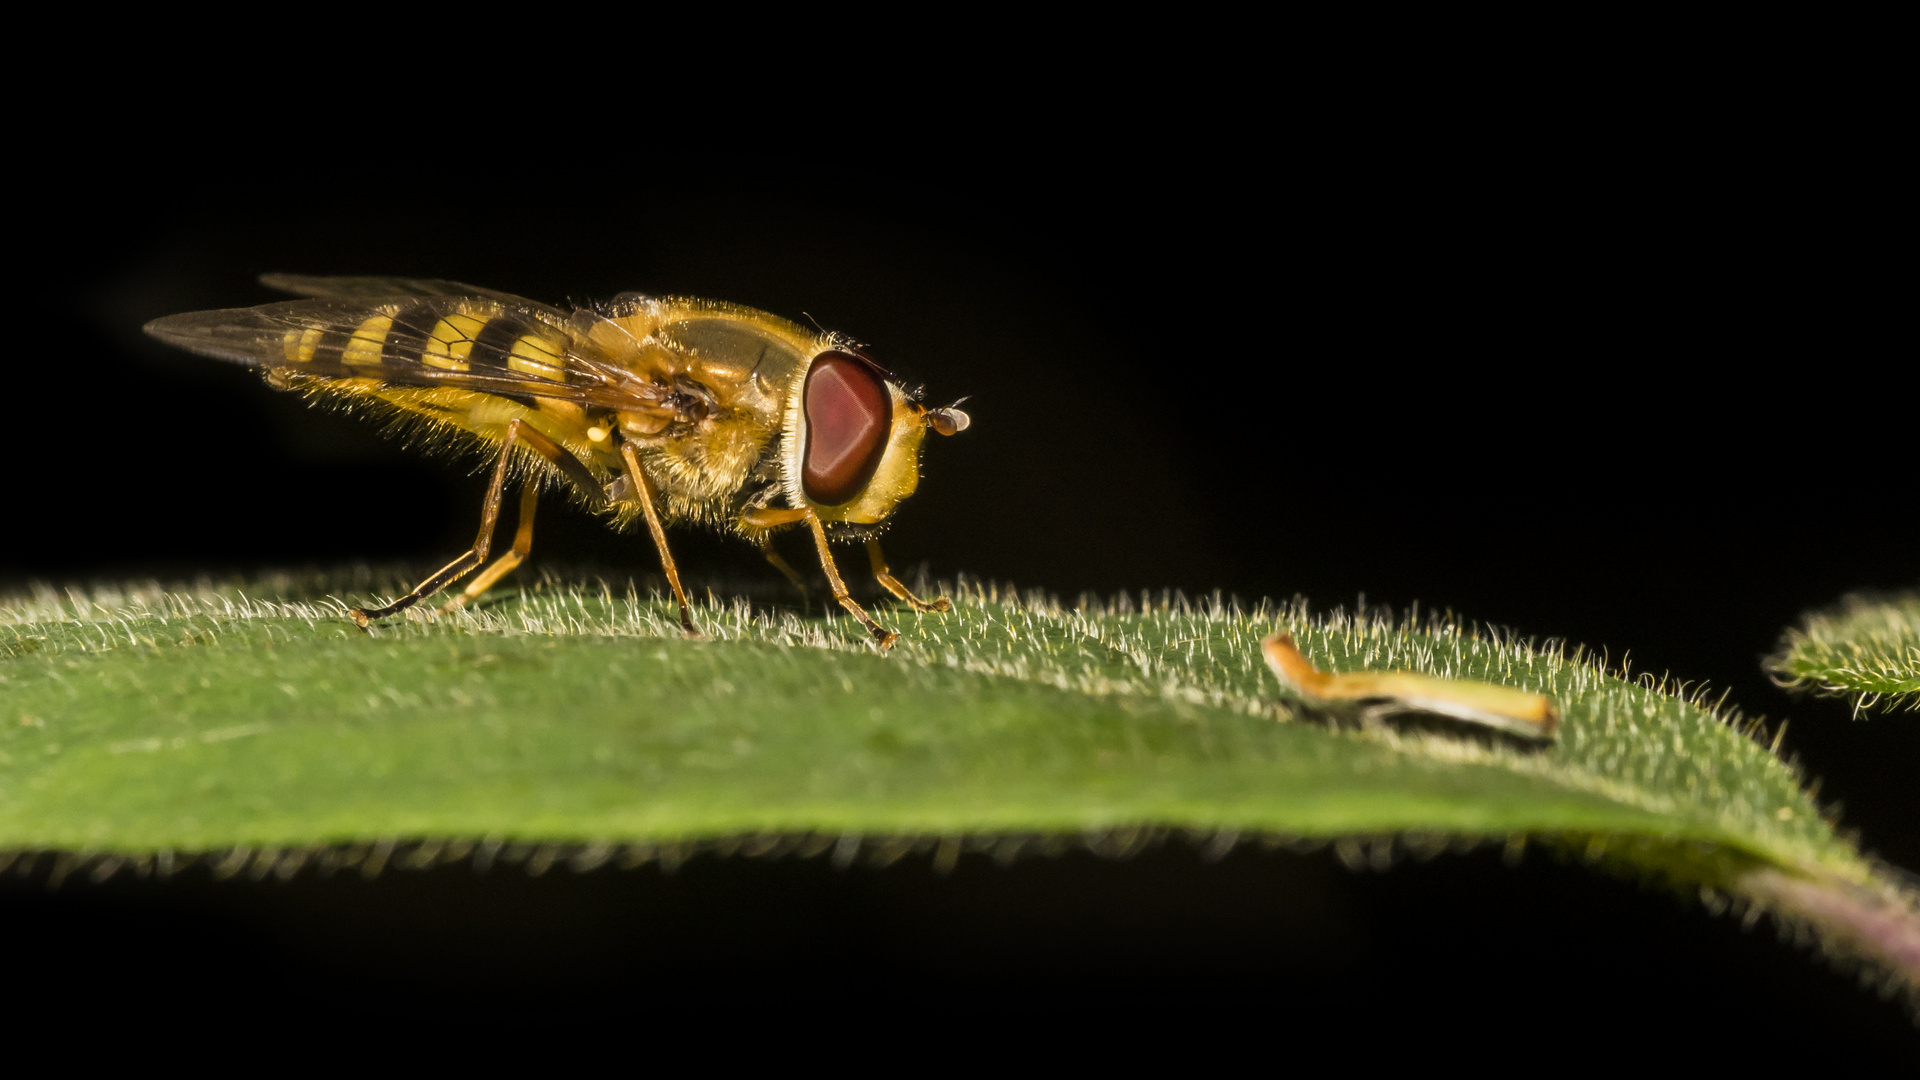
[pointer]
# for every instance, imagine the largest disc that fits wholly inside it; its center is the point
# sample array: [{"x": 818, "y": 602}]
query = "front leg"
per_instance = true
[
  {"x": 892, "y": 585},
  {"x": 881, "y": 635}
]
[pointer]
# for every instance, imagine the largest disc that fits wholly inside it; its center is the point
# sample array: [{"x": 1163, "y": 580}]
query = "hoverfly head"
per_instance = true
[{"x": 857, "y": 429}]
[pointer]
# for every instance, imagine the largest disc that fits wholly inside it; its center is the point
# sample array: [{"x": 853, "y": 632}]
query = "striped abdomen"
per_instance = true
[{"x": 456, "y": 336}]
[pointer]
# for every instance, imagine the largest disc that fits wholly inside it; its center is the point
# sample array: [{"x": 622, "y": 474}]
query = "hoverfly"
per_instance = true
[
  {"x": 664, "y": 409},
  {"x": 1371, "y": 696}
]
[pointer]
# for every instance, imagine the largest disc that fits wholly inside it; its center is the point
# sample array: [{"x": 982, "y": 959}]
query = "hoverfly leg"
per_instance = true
[
  {"x": 502, "y": 566},
  {"x": 644, "y": 494},
  {"x": 892, "y": 585},
  {"x": 518, "y": 432},
  {"x": 759, "y": 523},
  {"x": 782, "y": 565},
  {"x": 446, "y": 575},
  {"x": 881, "y": 635}
]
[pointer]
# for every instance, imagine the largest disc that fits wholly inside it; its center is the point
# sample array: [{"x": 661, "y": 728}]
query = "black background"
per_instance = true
[{"x": 1607, "y": 370}]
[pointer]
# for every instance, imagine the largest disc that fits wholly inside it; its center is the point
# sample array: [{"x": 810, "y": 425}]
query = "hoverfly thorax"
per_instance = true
[{"x": 852, "y": 437}]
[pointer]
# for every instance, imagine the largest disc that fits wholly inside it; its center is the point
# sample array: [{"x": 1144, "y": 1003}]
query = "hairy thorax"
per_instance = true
[{"x": 702, "y": 475}]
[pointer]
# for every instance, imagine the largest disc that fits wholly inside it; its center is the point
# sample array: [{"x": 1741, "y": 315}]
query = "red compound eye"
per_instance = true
[{"x": 849, "y": 416}]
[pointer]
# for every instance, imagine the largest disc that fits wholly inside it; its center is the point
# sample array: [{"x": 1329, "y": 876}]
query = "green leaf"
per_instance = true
[
  {"x": 1867, "y": 650},
  {"x": 136, "y": 723}
]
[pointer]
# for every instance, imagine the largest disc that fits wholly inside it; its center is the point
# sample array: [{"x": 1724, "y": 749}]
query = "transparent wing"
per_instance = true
[
  {"x": 390, "y": 288},
  {"x": 474, "y": 342}
]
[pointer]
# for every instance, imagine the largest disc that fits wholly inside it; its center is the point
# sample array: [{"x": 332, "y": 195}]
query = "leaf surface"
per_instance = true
[{"x": 139, "y": 721}]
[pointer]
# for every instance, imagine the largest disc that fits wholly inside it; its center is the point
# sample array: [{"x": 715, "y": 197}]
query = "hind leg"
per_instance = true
[
  {"x": 502, "y": 566},
  {"x": 519, "y": 433}
]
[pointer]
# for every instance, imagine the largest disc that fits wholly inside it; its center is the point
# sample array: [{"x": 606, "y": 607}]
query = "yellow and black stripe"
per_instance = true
[
  {"x": 513, "y": 343},
  {"x": 457, "y": 337},
  {"x": 410, "y": 337}
]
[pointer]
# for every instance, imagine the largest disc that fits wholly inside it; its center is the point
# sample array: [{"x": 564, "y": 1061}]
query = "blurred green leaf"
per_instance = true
[{"x": 1866, "y": 649}]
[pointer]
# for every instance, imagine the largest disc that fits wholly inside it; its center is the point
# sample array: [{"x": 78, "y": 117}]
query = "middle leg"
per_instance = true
[
  {"x": 759, "y": 523},
  {"x": 778, "y": 563},
  {"x": 643, "y": 493}
]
